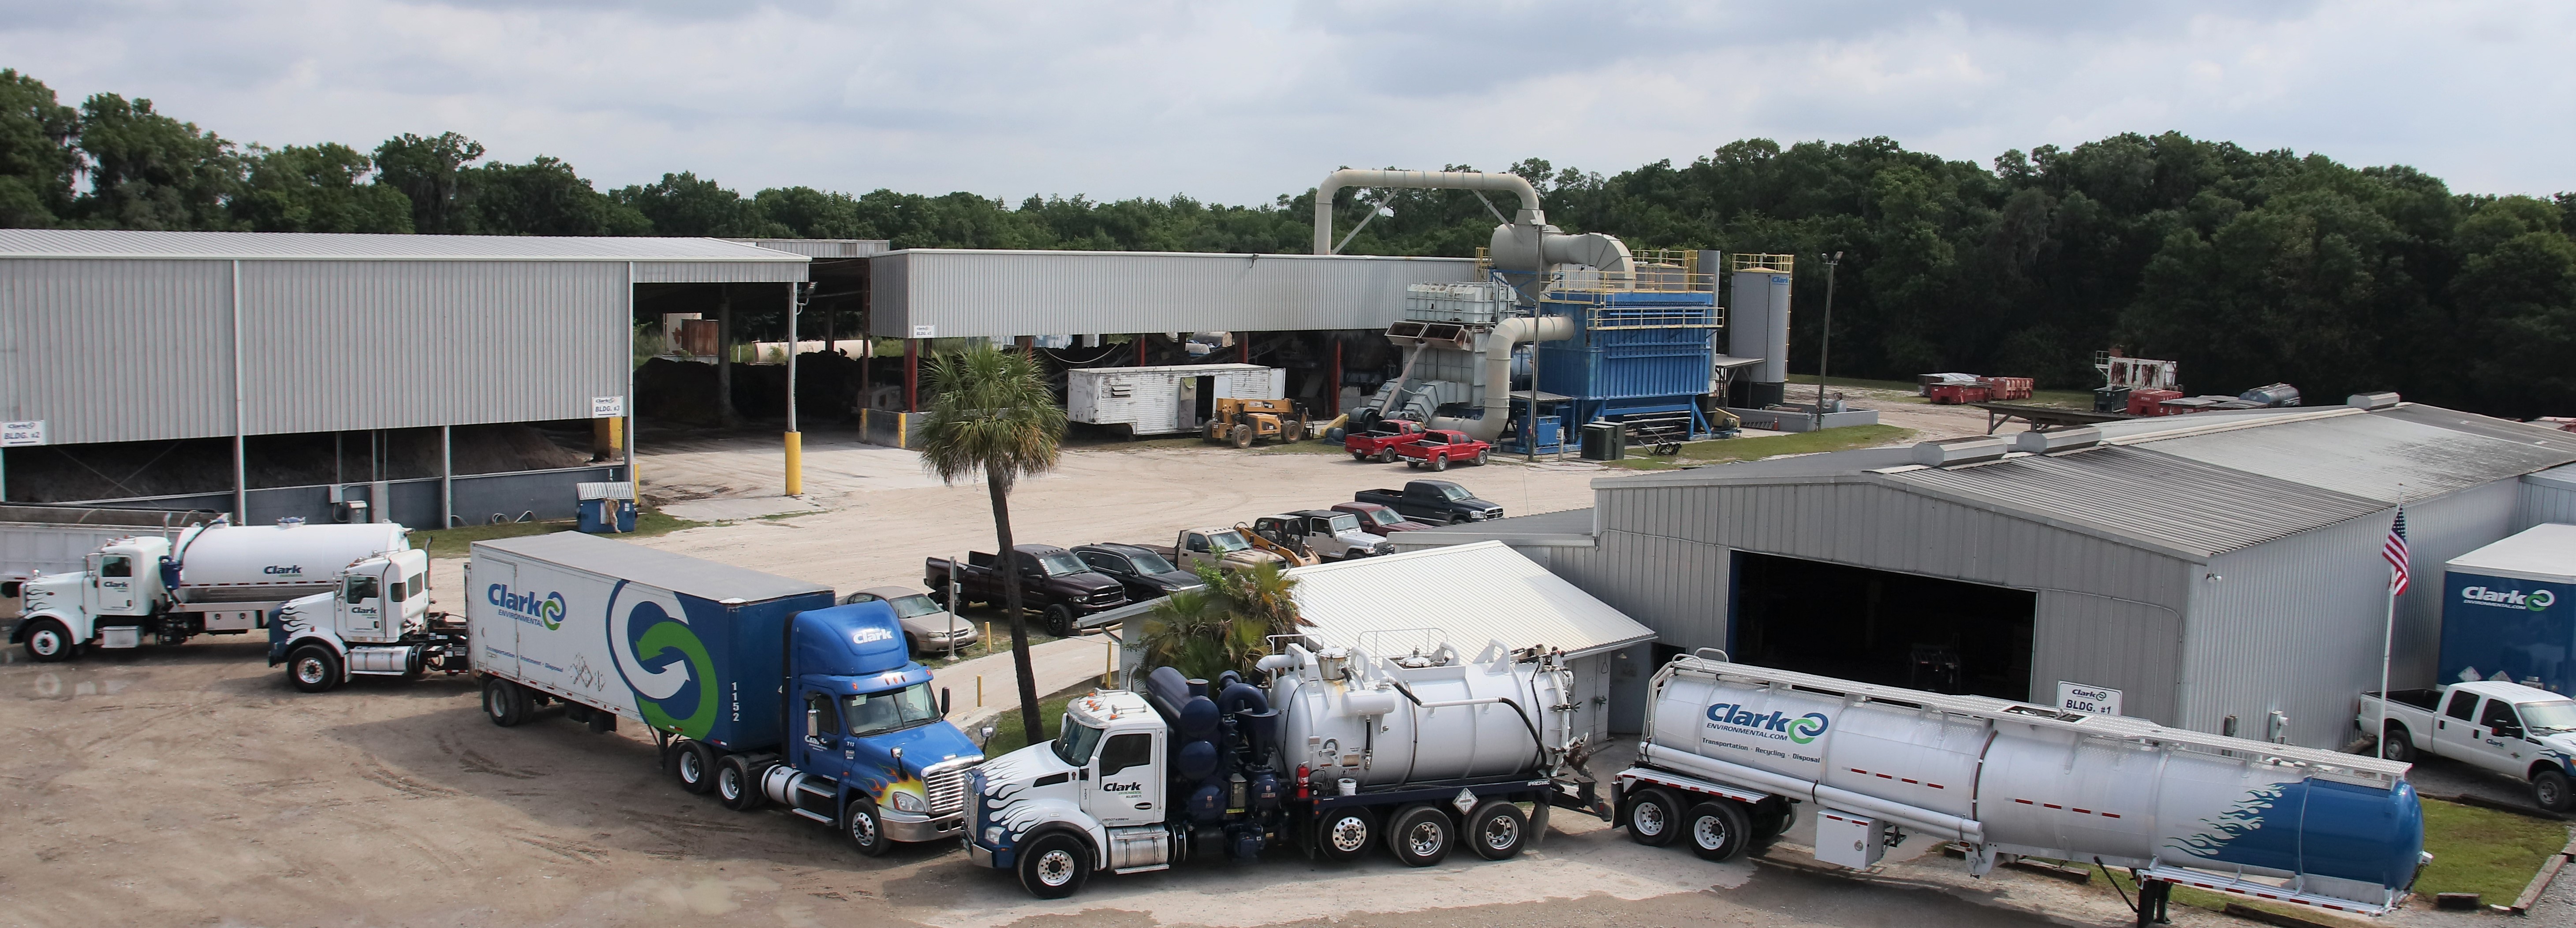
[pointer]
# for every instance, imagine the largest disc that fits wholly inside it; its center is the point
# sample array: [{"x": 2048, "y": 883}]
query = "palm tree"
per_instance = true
[
  {"x": 1227, "y": 626},
  {"x": 992, "y": 414}
]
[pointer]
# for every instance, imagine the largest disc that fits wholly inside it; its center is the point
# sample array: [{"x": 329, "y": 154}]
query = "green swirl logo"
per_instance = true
[
  {"x": 671, "y": 636},
  {"x": 1807, "y": 727},
  {"x": 2540, "y": 601}
]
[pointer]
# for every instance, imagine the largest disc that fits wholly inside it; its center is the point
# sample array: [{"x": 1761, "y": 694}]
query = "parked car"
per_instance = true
[
  {"x": 1145, "y": 574},
  {"x": 927, "y": 627},
  {"x": 1380, "y": 519},
  {"x": 1379, "y": 441},
  {"x": 1438, "y": 502},
  {"x": 1439, "y": 448},
  {"x": 1053, "y": 583},
  {"x": 2522, "y": 732},
  {"x": 1226, "y": 548},
  {"x": 1333, "y": 536}
]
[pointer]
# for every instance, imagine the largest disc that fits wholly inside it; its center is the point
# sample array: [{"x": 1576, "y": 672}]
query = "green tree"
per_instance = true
[
  {"x": 544, "y": 197},
  {"x": 681, "y": 204},
  {"x": 431, "y": 173},
  {"x": 991, "y": 414},
  {"x": 321, "y": 188},
  {"x": 1227, "y": 626},
  {"x": 37, "y": 159},
  {"x": 149, "y": 171}
]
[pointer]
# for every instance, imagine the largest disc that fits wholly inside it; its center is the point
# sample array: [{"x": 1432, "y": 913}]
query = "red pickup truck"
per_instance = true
[
  {"x": 1438, "y": 448},
  {"x": 1380, "y": 441}
]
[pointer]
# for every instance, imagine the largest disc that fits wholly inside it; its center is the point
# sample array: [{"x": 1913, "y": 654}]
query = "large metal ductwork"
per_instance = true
[
  {"x": 1498, "y": 370},
  {"x": 1420, "y": 180}
]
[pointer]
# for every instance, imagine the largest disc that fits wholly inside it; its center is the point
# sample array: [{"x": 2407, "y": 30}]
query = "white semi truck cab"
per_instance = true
[
  {"x": 375, "y": 622},
  {"x": 213, "y": 579}
]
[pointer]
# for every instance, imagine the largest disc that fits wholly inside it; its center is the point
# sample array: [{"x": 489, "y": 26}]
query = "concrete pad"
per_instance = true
[{"x": 739, "y": 508}]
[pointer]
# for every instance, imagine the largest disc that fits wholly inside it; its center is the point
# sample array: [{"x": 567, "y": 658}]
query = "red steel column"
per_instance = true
[
  {"x": 1140, "y": 349},
  {"x": 1243, "y": 347}
]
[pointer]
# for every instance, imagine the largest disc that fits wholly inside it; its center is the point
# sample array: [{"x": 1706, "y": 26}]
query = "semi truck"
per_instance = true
[
  {"x": 374, "y": 622},
  {"x": 210, "y": 579},
  {"x": 1731, "y": 750},
  {"x": 2523, "y": 732},
  {"x": 758, "y": 688},
  {"x": 1342, "y": 753}
]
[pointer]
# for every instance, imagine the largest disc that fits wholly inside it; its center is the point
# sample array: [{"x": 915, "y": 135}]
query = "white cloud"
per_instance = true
[{"x": 1237, "y": 103}]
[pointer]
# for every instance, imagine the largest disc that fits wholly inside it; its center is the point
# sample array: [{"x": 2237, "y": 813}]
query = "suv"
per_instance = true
[
  {"x": 1145, "y": 574},
  {"x": 1336, "y": 536}
]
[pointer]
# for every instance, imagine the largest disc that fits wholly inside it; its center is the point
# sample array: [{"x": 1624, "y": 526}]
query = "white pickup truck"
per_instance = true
[{"x": 2522, "y": 732}]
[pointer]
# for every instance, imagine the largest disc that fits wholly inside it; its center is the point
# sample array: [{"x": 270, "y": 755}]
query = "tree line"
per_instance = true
[{"x": 2247, "y": 266}]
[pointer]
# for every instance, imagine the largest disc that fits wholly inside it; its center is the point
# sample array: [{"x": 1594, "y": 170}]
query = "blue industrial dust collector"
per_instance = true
[{"x": 1643, "y": 348}]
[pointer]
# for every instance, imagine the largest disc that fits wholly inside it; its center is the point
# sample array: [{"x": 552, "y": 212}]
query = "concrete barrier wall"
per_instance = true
[
  {"x": 535, "y": 495},
  {"x": 891, "y": 429}
]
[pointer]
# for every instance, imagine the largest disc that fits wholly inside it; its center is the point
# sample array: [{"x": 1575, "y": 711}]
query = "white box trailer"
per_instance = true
[{"x": 1164, "y": 400}]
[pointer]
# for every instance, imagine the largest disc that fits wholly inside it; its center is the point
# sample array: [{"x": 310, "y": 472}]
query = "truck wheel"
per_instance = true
[
  {"x": 48, "y": 641},
  {"x": 1496, "y": 830},
  {"x": 1386, "y": 455},
  {"x": 1717, "y": 829},
  {"x": 1059, "y": 621},
  {"x": 1420, "y": 836},
  {"x": 1344, "y": 835},
  {"x": 1054, "y": 866},
  {"x": 1440, "y": 463},
  {"x": 1653, "y": 818},
  {"x": 1360, "y": 456},
  {"x": 1243, "y": 436},
  {"x": 2395, "y": 744},
  {"x": 693, "y": 764},
  {"x": 313, "y": 669},
  {"x": 2550, "y": 791},
  {"x": 502, "y": 702},
  {"x": 866, "y": 832},
  {"x": 1484, "y": 456},
  {"x": 738, "y": 784}
]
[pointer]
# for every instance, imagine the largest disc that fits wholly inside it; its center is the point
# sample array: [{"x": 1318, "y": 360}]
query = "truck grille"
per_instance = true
[{"x": 946, "y": 785}]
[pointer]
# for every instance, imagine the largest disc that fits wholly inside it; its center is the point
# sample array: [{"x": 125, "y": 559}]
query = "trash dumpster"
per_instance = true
[{"x": 606, "y": 508}]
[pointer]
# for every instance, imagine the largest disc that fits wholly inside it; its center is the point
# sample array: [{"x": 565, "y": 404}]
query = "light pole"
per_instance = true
[{"x": 1825, "y": 347}]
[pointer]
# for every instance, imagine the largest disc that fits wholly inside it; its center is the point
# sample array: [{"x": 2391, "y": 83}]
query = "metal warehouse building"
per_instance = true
[
  {"x": 168, "y": 336},
  {"x": 2221, "y": 572}
]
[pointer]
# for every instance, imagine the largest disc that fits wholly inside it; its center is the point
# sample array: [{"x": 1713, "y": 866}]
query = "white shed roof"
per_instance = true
[
  {"x": 1474, "y": 595},
  {"x": 2545, "y": 553}
]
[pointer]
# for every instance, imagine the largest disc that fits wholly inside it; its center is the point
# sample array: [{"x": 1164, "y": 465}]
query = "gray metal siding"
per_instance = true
[
  {"x": 990, "y": 293},
  {"x": 117, "y": 350},
  {"x": 360, "y": 345},
  {"x": 718, "y": 272},
  {"x": 2292, "y": 626},
  {"x": 2548, "y": 496},
  {"x": 2132, "y": 646},
  {"x": 2438, "y": 530}
]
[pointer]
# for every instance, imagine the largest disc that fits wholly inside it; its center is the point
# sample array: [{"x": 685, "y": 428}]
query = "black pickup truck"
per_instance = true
[
  {"x": 1053, "y": 583},
  {"x": 1438, "y": 502}
]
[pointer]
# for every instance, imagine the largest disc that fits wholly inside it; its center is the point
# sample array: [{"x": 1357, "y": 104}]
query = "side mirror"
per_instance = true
[
  {"x": 986, "y": 736},
  {"x": 943, "y": 700}
]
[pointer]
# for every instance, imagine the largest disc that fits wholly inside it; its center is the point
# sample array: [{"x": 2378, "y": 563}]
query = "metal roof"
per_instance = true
[
  {"x": 2373, "y": 456},
  {"x": 350, "y": 246},
  {"x": 2141, "y": 496},
  {"x": 826, "y": 248},
  {"x": 678, "y": 573},
  {"x": 949, "y": 293},
  {"x": 2518, "y": 432},
  {"x": 2563, "y": 476},
  {"x": 2546, "y": 553},
  {"x": 1542, "y": 529},
  {"x": 1472, "y": 595}
]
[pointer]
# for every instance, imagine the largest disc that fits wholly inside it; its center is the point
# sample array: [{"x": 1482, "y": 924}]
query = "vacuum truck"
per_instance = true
[
  {"x": 212, "y": 579},
  {"x": 1340, "y": 754},
  {"x": 758, "y": 688},
  {"x": 1731, "y": 749}
]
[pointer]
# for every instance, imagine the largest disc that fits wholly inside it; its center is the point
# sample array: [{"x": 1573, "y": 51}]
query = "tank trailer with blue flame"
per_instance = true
[
  {"x": 1340, "y": 753},
  {"x": 758, "y": 688},
  {"x": 1730, "y": 750}
]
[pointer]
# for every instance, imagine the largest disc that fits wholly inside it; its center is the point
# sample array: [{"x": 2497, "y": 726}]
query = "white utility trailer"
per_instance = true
[{"x": 1164, "y": 400}]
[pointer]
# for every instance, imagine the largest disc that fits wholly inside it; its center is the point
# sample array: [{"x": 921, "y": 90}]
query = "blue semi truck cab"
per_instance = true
[{"x": 870, "y": 750}]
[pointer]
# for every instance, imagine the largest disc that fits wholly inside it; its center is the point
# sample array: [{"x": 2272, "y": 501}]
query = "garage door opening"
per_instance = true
[{"x": 1878, "y": 626}]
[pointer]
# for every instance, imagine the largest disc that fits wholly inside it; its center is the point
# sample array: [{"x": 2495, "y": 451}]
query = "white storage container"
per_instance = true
[{"x": 1164, "y": 400}]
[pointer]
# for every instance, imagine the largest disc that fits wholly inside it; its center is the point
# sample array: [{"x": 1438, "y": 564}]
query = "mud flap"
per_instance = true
[{"x": 1538, "y": 825}]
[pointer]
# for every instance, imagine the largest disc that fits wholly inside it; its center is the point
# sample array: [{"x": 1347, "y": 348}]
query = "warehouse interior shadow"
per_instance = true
[{"x": 1882, "y": 627}]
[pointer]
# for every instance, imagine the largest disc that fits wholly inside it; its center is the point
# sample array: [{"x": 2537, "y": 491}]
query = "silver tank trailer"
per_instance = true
[{"x": 1438, "y": 716}]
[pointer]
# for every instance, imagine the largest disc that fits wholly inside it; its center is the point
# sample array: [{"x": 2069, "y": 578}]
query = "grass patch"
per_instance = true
[
  {"x": 2484, "y": 851},
  {"x": 1727, "y": 450},
  {"x": 459, "y": 541},
  {"x": 1009, "y": 735}
]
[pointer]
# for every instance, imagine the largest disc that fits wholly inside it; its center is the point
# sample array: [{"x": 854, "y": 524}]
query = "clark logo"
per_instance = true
[
  {"x": 2536, "y": 600},
  {"x": 1801, "y": 729},
  {"x": 547, "y": 611}
]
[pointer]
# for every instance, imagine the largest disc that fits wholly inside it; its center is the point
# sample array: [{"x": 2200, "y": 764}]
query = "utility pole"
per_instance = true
[
  {"x": 1825, "y": 349},
  {"x": 795, "y": 441}
]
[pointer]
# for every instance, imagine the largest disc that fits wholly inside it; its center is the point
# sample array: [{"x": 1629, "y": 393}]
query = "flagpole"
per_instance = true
[{"x": 2387, "y": 648}]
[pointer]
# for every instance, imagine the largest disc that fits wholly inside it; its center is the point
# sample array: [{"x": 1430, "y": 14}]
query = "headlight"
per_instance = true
[
  {"x": 993, "y": 835},
  {"x": 907, "y": 802}
]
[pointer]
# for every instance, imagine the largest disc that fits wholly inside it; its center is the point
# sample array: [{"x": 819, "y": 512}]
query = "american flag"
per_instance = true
[{"x": 2395, "y": 551}]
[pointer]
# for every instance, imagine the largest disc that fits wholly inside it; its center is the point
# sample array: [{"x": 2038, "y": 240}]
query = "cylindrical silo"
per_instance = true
[{"x": 1757, "y": 325}]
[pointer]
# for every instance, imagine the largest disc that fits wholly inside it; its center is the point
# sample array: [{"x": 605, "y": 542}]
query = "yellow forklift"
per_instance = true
[{"x": 1241, "y": 422}]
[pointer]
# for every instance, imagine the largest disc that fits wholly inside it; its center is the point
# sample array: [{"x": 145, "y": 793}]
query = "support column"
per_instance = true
[
  {"x": 626, "y": 440},
  {"x": 447, "y": 476},
  {"x": 912, "y": 375},
  {"x": 1243, "y": 347},
  {"x": 795, "y": 442},
  {"x": 1140, "y": 349},
  {"x": 1333, "y": 387},
  {"x": 241, "y": 463},
  {"x": 725, "y": 416}
]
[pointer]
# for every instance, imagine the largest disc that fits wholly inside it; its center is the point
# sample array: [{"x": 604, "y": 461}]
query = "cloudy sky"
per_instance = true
[{"x": 1241, "y": 102}]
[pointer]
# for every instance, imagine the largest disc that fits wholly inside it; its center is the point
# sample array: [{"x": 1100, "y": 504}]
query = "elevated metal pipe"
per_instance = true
[
  {"x": 1530, "y": 215},
  {"x": 1498, "y": 371}
]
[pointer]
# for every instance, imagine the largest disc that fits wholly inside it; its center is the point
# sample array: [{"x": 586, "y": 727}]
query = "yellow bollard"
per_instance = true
[
  {"x": 1109, "y": 667},
  {"x": 988, "y": 639},
  {"x": 979, "y": 691},
  {"x": 795, "y": 463}
]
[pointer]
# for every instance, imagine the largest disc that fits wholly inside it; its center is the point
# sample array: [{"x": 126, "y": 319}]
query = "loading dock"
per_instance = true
[{"x": 1884, "y": 627}]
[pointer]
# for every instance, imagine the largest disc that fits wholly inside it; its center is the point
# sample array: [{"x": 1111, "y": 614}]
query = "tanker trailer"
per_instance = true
[
  {"x": 212, "y": 579},
  {"x": 1730, "y": 749},
  {"x": 1341, "y": 753}
]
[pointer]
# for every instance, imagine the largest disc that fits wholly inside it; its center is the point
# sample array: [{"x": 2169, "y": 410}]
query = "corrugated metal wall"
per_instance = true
[
  {"x": 2548, "y": 496},
  {"x": 989, "y": 293},
  {"x": 117, "y": 350},
  {"x": 717, "y": 272},
  {"x": 361, "y": 345},
  {"x": 2438, "y": 530},
  {"x": 2293, "y": 626}
]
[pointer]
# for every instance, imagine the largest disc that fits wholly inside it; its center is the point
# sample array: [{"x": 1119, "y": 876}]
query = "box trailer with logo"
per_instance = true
[
  {"x": 1164, "y": 400},
  {"x": 2509, "y": 611},
  {"x": 758, "y": 688}
]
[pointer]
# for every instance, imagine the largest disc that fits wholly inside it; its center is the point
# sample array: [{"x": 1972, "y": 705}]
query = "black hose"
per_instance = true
[
  {"x": 2115, "y": 887},
  {"x": 1517, "y": 712}
]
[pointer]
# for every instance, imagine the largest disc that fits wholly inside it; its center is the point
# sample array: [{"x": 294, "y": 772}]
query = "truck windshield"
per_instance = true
[
  {"x": 913, "y": 606},
  {"x": 1382, "y": 517},
  {"x": 1074, "y": 746},
  {"x": 1453, "y": 492},
  {"x": 892, "y": 710},
  {"x": 2549, "y": 716},
  {"x": 1150, "y": 563},
  {"x": 1228, "y": 540},
  {"x": 1345, "y": 523},
  {"x": 1060, "y": 564}
]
